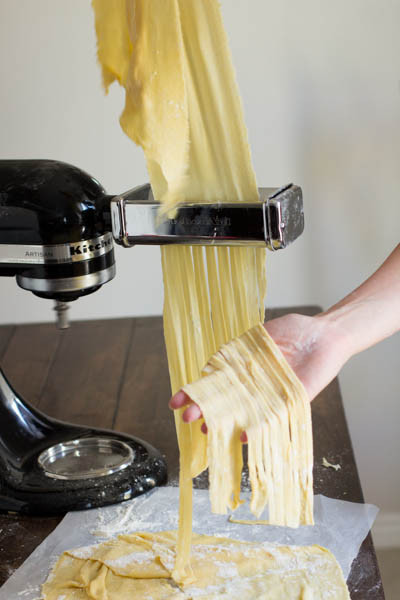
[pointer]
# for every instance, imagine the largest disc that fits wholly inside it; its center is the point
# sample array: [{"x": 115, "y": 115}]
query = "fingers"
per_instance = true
[
  {"x": 179, "y": 399},
  {"x": 193, "y": 412}
]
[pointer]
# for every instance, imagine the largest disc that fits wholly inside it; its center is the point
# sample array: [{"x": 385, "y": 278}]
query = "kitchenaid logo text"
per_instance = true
[
  {"x": 86, "y": 248},
  {"x": 199, "y": 220}
]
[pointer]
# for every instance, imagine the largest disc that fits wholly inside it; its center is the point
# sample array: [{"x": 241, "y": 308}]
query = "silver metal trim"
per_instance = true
[
  {"x": 287, "y": 220},
  {"x": 86, "y": 458},
  {"x": 35, "y": 254},
  {"x": 66, "y": 284},
  {"x": 274, "y": 240},
  {"x": 277, "y": 220},
  {"x": 267, "y": 224}
]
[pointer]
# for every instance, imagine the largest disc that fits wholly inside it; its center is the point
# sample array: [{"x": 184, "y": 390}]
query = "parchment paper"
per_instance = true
[{"x": 339, "y": 526}]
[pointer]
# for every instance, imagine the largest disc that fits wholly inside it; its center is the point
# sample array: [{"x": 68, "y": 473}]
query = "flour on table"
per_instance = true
[{"x": 326, "y": 463}]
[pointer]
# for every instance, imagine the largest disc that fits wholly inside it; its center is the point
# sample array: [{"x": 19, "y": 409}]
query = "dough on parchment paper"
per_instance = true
[
  {"x": 142, "y": 565},
  {"x": 138, "y": 566}
]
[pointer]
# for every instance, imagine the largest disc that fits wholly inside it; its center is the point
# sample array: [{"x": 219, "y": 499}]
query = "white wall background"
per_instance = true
[{"x": 320, "y": 82}]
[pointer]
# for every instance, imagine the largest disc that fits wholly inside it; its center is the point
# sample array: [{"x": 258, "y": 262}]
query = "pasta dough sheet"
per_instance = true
[
  {"x": 249, "y": 386},
  {"x": 137, "y": 566}
]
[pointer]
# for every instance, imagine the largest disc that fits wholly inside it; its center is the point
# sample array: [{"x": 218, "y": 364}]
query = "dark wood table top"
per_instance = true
[{"x": 113, "y": 374}]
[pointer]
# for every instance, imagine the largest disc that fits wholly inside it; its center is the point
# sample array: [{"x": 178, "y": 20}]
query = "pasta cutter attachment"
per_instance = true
[{"x": 275, "y": 221}]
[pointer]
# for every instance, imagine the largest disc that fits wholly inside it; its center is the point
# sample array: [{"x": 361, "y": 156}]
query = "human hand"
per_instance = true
[{"x": 315, "y": 347}]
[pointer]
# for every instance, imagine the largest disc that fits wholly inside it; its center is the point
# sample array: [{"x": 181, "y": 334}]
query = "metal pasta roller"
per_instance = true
[
  {"x": 57, "y": 228},
  {"x": 275, "y": 221}
]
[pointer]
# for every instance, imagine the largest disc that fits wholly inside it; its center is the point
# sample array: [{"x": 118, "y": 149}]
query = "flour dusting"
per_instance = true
[{"x": 127, "y": 559}]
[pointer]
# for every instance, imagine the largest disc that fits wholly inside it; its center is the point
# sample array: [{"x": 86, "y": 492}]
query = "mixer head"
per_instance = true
[{"x": 53, "y": 236}]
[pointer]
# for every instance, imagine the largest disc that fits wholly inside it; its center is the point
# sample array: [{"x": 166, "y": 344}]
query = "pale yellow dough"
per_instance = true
[
  {"x": 183, "y": 107},
  {"x": 137, "y": 567},
  {"x": 248, "y": 386}
]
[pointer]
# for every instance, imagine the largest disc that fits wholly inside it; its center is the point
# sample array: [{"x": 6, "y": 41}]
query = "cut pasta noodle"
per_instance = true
[
  {"x": 183, "y": 107},
  {"x": 191, "y": 336},
  {"x": 248, "y": 386}
]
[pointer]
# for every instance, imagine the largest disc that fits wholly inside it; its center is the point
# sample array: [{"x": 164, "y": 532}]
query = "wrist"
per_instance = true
[{"x": 338, "y": 334}]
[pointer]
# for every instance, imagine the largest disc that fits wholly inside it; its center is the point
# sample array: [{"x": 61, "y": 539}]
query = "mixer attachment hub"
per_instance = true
[{"x": 86, "y": 458}]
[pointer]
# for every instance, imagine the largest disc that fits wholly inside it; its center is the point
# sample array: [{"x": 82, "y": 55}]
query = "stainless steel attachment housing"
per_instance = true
[{"x": 275, "y": 221}]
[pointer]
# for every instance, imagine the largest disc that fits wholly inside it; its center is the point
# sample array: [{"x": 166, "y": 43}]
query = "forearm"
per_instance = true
[{"x": 372, "y": 312}]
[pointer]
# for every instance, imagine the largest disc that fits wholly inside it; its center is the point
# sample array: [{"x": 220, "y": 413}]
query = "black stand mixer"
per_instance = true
[{"x": 57, "y": 229}]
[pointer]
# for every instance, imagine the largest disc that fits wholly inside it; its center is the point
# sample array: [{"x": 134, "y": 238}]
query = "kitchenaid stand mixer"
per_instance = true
[{"x": 57, "y": 228}]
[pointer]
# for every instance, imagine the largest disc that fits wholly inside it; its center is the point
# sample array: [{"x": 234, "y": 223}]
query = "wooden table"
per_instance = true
[{"x": 113, "y": 374}]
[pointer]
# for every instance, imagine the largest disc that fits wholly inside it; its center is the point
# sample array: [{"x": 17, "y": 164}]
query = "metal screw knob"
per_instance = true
[{"x": 61, "y": 309}]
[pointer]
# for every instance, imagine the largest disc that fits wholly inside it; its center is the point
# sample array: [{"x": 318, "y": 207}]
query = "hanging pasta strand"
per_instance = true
[{"x": 183, "y": 107}]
